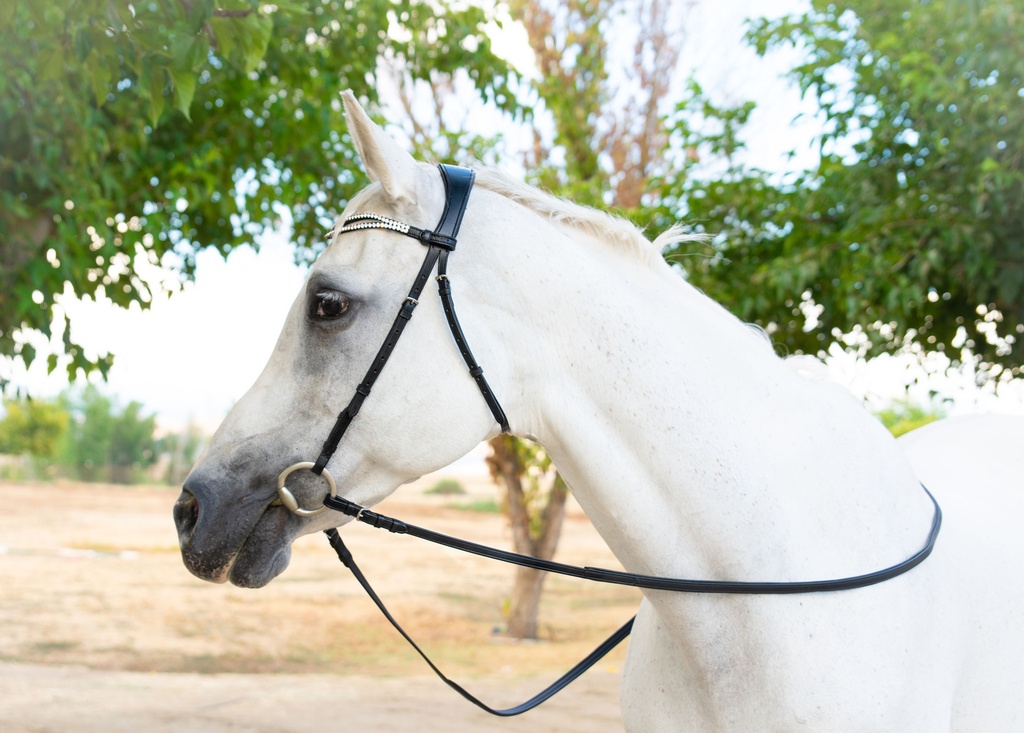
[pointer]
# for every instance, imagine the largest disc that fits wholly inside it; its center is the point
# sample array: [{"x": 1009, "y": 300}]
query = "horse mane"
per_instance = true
[
  {"x": 600, "y": 224},
  {"x": 622, "y": 232},
  {"x": 608, "y": 227},
  {"x": 592, "y": 221}
]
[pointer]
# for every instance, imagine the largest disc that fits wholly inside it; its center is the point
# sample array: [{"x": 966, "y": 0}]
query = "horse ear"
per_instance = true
[{"x": 383, "y": 159}]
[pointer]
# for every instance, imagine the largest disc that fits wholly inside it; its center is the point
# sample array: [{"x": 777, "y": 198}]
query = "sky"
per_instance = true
[{"x": 190, "y": 356}]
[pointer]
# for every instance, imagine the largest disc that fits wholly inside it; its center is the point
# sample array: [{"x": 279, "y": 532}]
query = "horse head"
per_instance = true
[{"x": 425, "y": 410}]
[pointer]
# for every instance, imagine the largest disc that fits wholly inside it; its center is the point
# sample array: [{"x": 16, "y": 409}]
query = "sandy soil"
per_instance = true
[{"x": 104, "y": 629}]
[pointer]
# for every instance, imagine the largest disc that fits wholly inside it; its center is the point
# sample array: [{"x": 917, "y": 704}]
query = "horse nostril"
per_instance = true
[{"x": 186, "y": 513}]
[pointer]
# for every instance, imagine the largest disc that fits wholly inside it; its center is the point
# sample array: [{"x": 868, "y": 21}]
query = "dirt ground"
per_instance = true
[{"x": 103, "y": 629}]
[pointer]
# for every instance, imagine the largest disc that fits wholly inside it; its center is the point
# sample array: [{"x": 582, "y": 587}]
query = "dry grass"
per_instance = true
[{"x": 91, "y": 577}]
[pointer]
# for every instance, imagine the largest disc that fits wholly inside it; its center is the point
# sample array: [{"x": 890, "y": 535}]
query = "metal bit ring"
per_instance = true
[{"x": 287, "y": 498}]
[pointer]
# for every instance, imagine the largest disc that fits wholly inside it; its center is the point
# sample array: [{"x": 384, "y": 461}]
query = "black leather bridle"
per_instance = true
[{"x": 458, "y": 183}]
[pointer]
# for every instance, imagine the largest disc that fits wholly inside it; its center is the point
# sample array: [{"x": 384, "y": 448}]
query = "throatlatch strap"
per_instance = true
[
  {"x": 444, "y": 289},
  {"x": 555, "y": 687}
]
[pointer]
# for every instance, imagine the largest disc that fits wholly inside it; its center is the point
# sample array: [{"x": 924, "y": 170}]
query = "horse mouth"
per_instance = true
[
  {"x": 246, "y": 554},
  {"x": 266, "y": 552}
]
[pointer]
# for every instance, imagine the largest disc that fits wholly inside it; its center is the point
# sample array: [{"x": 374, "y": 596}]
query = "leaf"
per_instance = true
[
  {"x": 156, "y": 97},
  {"x": 100, "y": 74},
  {"x": 184, "y": 89},
  {"x": 52, "y": 64},
  {"x": 293, "y": 8},
  {"x": 224, "y": 36},
  {"x": 38, "y": 13},
  {"x": 243, "y": 41},
  {"x": 83, "y": 44},
  {"x": 254, "y": 37},
  {"x": 120, "y": 14},
  {"x": 8, "y": 9}
]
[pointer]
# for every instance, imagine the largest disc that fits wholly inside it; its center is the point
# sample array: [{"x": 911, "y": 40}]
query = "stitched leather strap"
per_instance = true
[
  {"x": 555, "y": 687},
  {"x": 444, "y": 289},
  {"x": 458, "y": 182},
  {"x": 396, "y": 526},
  {"x": 346, "y": 416}
]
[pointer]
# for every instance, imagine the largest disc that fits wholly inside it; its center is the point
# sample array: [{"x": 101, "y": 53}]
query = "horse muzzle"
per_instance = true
[{"x": 229, "y": 532}]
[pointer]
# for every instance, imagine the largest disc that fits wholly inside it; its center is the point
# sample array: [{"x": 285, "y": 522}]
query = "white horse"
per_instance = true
[{"x": 694, "y": 450}]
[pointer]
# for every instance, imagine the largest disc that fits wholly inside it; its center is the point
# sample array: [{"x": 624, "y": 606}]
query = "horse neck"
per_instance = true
[{"x": 690, "y": 445}]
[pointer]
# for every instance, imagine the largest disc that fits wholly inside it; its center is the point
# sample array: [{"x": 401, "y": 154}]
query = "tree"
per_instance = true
[
  {"x": 182, "y": 450},
  {"x": 133, "y": 444},
  {"x": 31, "y": 426},
  {"x": 902, "y": 417},
  {"x": 106, "y": 442},
  {"x": 607, "y": 146},
  {"x": 911, "y": 225},
  {"x": 134, "y": 133},
  {"x": 535, "y": 497},
  {"x": 609, "y": 136}
]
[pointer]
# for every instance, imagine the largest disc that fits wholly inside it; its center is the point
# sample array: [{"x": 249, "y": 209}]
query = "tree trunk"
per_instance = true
[
  {"x": 536, "y": 524},
  {"x": 524, "y": 603}
]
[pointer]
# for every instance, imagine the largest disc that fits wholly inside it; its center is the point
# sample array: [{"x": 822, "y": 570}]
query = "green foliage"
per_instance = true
[
  {"x": 911, "y": 225},
  {"x": 484, "y": 506},
  {"x": 446, "y": 487},
  {"x": 531, "y": 481},
  {"x": 32, "y": 427},
  {"x": 902, "y": 417},
  {"x": 90, "y": 437},
  {"x": 129, "y": 131},
  {"x": 182, "y": 451},
  {"x": 105, "y": 442},
  {"x": 570, "y": 51}
]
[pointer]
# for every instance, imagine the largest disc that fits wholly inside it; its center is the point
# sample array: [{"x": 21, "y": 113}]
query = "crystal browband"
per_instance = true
[
  {"x": 372, "y": 221},
  {"x": 376, "y": 221}
]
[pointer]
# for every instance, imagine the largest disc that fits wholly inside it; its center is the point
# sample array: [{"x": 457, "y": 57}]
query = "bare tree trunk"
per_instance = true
[
  {"x": 535, "y": 513},
  {"x": 524, "y": 605}
]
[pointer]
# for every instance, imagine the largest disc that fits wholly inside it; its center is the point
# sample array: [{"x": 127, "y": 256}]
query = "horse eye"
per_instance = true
[{"x": 328, "y": 305}]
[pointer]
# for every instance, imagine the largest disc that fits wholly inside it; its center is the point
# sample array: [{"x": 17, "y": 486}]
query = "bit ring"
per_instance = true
[{"x": 287, "y": 498}]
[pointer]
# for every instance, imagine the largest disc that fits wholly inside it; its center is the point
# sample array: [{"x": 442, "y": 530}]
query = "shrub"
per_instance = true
[{"x": 446, "y": 487}]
